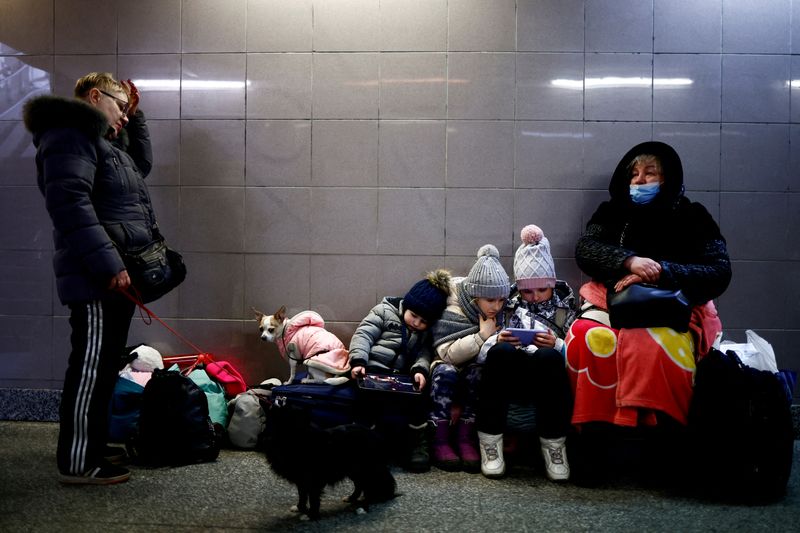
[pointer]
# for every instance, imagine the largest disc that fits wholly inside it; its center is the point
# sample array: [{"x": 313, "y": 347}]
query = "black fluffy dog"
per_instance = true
[{"x": 311, "y": 458}]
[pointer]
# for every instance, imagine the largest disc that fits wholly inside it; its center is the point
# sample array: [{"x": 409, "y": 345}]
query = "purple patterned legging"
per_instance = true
[{"x": 450, "y": 385}]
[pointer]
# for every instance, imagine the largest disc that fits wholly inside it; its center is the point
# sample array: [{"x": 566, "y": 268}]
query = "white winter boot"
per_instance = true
[
  {"x": 492, "y": 463},
  {"x": 555, "y": 458}
]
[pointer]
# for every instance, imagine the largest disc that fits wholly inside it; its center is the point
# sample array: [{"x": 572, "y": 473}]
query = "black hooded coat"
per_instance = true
[
  {"x": 681, "y": 235},
  {"x": 94, "y": 192}
]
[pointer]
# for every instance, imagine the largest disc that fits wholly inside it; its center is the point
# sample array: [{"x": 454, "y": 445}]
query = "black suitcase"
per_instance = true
[
  {"x": 329, "y": 405},
  {"x": 741, "y": 427},
  {"x": 333, "y": 405}
]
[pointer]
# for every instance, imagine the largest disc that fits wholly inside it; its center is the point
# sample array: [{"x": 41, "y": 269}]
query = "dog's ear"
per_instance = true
[
  {"x": 280, "y": 314},
  {"x": 259, "y": 314}
]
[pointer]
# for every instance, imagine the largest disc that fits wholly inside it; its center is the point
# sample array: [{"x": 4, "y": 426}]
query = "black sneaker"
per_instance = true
[
  {"x": 115, "y": 455},
  {"x": 105, "y": 474}
]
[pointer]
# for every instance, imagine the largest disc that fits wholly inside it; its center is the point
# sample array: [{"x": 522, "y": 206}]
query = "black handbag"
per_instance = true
[
  {"x": 154, "y": 269},
  {"x": 646, "y": 306}
]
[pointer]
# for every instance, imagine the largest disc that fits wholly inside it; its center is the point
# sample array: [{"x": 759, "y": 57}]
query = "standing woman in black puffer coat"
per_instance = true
[{"x": 100, "y": 207}]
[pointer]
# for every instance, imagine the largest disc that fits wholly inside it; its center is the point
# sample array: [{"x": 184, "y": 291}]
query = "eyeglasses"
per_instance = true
[{"x": 122, "y": 104}]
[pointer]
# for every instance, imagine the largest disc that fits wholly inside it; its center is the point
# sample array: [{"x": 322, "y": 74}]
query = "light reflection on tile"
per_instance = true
[
  {"x": 619, "y": 87},
  {"x": 698, "y": 99},
  {"x": 213, "y": 86},
  {"x": 540, "y": 96},
  {"x": 157, "y": 77}
]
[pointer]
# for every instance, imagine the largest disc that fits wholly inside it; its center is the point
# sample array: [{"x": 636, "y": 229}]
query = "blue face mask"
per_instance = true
[{"x": 644, "y": 194}]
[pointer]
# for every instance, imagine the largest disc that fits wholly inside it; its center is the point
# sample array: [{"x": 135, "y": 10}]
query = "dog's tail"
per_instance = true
[{"x": 339, "y": 380}]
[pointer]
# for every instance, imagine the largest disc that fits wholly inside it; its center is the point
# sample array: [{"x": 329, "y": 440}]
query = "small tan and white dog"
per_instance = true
[{"x": 304, "y": 340}]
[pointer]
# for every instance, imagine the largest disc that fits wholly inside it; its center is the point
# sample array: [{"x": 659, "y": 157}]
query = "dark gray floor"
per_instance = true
[{"x": 239, "y": 493}]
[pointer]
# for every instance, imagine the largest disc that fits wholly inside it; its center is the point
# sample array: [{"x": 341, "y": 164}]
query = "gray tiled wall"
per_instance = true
[{"x": 359, "y": 143}]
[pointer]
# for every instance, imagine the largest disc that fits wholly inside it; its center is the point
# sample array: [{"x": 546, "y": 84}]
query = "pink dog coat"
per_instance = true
[{"x": 307, "y": 330}]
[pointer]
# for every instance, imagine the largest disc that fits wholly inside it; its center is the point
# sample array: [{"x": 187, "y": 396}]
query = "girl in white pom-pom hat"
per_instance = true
[{"x": 545, "y": 305}]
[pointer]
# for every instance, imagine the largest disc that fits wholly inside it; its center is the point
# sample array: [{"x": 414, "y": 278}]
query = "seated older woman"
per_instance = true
[{"x": 648, "y": 232}]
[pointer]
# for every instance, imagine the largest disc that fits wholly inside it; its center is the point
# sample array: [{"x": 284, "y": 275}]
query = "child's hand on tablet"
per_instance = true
[
  {"x": 524, "y": 336},
  {"x": 545, "y": 340},
  {"x": 507, "y": 336}
]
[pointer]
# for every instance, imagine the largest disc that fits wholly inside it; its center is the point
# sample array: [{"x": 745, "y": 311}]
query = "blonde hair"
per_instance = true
[
  {"x": 646, "y": 159},
  {"x": 101, "y": 80}
]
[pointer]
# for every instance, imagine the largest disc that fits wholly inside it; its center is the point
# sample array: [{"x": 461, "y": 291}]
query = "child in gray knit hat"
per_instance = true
[
  {"x": 473, "y": 315},
  {"x": 539, "y": 374}
]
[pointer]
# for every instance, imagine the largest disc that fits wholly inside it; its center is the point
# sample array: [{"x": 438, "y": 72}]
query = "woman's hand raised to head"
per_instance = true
[{"x": 133, "y": 96}]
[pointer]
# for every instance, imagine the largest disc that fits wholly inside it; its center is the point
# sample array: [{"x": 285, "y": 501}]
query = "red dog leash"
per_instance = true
[{"x": 202, "y": 356}]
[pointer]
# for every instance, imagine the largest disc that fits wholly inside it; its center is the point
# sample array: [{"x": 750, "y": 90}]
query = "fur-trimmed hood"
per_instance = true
[{"x": 47, "y": 112}]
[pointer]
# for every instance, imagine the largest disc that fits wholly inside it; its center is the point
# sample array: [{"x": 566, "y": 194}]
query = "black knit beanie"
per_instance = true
[{"x": 428, "y": 297}]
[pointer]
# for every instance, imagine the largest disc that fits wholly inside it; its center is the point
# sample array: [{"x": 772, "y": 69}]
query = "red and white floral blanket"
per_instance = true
[{"x": 625, "y": 376}]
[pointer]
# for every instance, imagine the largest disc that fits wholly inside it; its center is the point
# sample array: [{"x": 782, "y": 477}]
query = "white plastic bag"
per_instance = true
[
  {"x": 756, "y": 352},
  {"x": 766, "y": 354}
]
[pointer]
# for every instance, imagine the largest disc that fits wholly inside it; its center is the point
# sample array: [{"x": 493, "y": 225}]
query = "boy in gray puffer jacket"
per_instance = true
[{"x": 394, "y": 338}]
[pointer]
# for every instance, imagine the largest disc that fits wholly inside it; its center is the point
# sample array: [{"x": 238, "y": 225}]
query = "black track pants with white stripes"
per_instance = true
[{"x": 99, "y": 336}]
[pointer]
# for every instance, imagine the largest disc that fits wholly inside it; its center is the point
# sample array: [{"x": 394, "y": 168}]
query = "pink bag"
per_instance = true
[{"x": 226, "y": 375}]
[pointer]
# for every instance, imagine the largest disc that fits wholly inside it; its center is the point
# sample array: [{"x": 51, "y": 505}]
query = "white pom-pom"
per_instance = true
[
  {"x": 531, "y": 234},
  {"x": 488, "y": 250}
]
